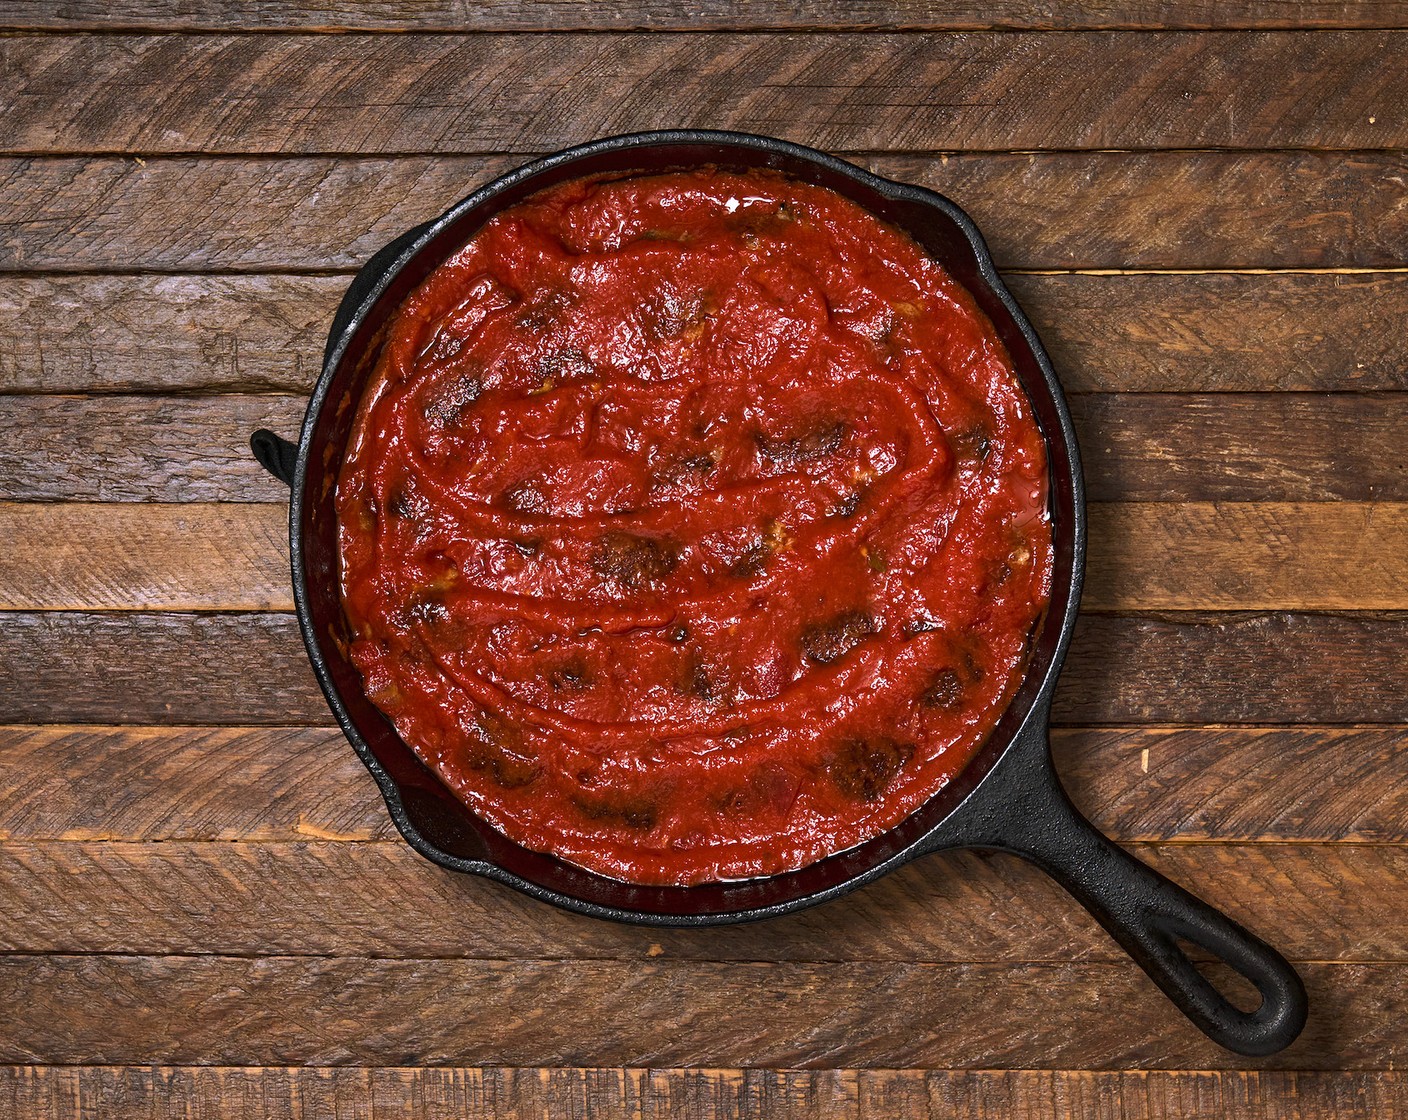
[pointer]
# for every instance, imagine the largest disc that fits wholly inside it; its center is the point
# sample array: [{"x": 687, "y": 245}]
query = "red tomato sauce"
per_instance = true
[{"x": 693, "y": 526}]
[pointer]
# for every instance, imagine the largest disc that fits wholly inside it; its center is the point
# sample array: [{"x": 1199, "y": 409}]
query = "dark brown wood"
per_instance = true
[
  {"x": 700, "y": 15},
  {"x": 384, "y": 900},
  {"x": 1181, "y": 668},
  {"x": 288, "y": 784},
  {"x": 1235, "y": 668},
  {"x": 1242, "y": 447},
  {"x": 1140, "y": 447},
  {"x": 525, "y": 93},
  {"x": 1051, "y": 210},
  {"x": 1032, "y": 1095},
  {"x": 157, "y": 668},
  {"x": 1155, "y": 332},
  {"x": 129, "y": 1093},
  {"x": 99, "y": 1010},
  {"x": 1143, "y": 556},
  {"x": 1170, "y": 333}
]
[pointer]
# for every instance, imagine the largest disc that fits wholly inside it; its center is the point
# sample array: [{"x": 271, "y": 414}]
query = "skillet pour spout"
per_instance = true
[{"x": 1007, "y": 798}]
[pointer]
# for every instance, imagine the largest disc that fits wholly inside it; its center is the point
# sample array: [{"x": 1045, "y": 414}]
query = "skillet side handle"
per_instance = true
[
  {"x": 275, "y": 454},
  {"x": 1148, "y": 914}
]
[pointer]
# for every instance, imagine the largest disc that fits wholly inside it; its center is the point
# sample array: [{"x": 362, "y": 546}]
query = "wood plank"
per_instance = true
[
  {"x": 1142, "y": 556},
  {"x": 1219, "y": 333},
  {"x": 1136, "y": 447},
  {"x": 881, "y": 91},
  {"x": 1155, "y": 332},
  {"x": 213, "y": 1093},
  {"x": 191, "y": 783},
  {"x": 122, "y": 449},
  {"x": 1239, "y": 783},
  {"x": 1211, "y": 556},
  {"x": 119, "y": 1010},
  {"x": 1032, "y": 1095},
  {"x": 1043, "y": 210},
  {"x": 1182, "y": 668},
  {"x": 1235, "y": 668},
  {"x": 1337, "y": 902},
  {"x": 1242, "y": 447},
  {"x": 140, "y": 556},
  {"x": 702, "y": 15},
  {"x": 104, "y": 334},
  {"x": 289, "y": 784}
]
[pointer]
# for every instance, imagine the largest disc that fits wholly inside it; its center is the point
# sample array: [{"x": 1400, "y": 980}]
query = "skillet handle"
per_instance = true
[
  {"x": 275, "y": 454},
  {"x": 1146, "y": 913}
]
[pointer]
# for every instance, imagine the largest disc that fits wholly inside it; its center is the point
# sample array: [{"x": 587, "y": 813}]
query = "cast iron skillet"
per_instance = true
[{"x": 1008, "y": 798}]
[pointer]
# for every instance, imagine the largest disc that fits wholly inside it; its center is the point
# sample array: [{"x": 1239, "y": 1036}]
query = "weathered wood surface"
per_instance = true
[
  {"x": 274, "y": 1010},
  {"x": 130, "y": 1093},
  {"x": 1142, "y": 556},
  {"x": 1158, "y": 209},
  {"x": 1156, "y": 332},
  {"x": 1136, "y": 447},
  {"x": 281, "y": 784},
  {"x": 140, "y": 556},
  {"x": 528, "y": 93},
  {"x": 384, "y": 900},
  {"x": 1180, "y": 668},
  {"x": 699, "y": 15},
  {"x": 1200, "y": 556}
]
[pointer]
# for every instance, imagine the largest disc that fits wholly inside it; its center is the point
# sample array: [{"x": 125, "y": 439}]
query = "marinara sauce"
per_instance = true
[{"x": 693, "y": 526}]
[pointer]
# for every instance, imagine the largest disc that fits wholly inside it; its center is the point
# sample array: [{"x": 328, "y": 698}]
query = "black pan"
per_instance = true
[{"x": 1008, "y": 798}]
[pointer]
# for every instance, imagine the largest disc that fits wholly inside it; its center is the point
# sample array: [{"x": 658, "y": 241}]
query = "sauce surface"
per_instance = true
[{"x": 693, "y": 525}]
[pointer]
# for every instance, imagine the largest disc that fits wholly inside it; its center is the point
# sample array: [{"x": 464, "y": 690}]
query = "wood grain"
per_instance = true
[
  {"x": 1278, "y": 556},
  {"x": 1136, "y": 447},
  {"x": 1339, "y": 902},
  {"x": 1181, "y": 668},
  {"x": 103, "y": 334},
  {"x": 140, "y": 556},
  {"x": 122, "y": 449},
  {"x": 214, "y": 1093},
  {"x": 1215, "y": 332},
  {"x": 700, "y": 15},
  {"x": 1142, "y": 556},
  {"x": 1155, "y": 209},
  {"x": 188, "y": 783},
  {"x": 120, "y": 1010},
  {"x": 1247, "y": 447},
  {"x": 528, "y": 93},
  {"x": 283, "y": 784}
]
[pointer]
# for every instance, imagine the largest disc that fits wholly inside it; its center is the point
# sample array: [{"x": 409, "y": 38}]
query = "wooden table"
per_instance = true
[{"x": 203, "y": 908}]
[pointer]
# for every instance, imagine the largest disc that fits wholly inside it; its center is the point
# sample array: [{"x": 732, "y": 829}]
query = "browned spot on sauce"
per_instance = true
[
  {"x": 945, "y": 691},
  {"x": 825, "y": 642},
  {"x": 971, "y": 445},
  {"x": 635, "y": 561},
  {"x": 447, "y": 404},
  {"x": 633, "y": 812},
  {"x": 815, "y": 442},
  {"x": 497, "y": 750},
  {"x": 864, "y": 768},
  {"x": 572, "y": 675}
]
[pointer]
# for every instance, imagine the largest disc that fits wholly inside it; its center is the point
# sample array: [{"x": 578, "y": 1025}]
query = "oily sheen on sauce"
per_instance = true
[{"x": 693, "y": 526}]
